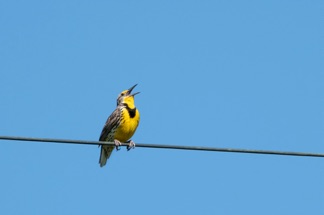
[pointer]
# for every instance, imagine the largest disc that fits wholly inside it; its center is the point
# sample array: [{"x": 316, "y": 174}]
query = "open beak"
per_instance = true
[{"x": 130, "y": 91}]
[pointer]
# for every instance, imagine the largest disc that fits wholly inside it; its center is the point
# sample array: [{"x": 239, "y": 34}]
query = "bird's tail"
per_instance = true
[{"x": 105, "y": 154}]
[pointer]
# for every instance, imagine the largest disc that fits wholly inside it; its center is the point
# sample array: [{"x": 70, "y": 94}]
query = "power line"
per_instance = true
[{"x": 161, "y": 146}]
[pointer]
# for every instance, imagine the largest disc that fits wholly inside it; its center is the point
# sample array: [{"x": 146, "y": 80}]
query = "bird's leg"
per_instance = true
[
  {"x": 131, "y": 145},
  {"x": 117, "y": 144}
]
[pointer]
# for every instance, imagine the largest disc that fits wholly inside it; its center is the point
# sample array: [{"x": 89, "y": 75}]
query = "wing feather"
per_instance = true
[{"x": 111, "y": 122}]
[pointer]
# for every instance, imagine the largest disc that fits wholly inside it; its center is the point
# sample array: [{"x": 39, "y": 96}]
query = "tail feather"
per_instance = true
[{"x": 105, "y": 154}]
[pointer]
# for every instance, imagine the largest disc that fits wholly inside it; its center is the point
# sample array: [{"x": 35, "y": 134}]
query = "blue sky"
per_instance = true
[{"x": 238, "y": 74}]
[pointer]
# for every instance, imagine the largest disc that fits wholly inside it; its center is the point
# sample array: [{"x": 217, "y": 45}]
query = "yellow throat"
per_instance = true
[{"x": 130, "y": 118}]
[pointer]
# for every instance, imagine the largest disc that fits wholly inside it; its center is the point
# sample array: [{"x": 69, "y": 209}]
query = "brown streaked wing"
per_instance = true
[{"x": 111, "y": 122}]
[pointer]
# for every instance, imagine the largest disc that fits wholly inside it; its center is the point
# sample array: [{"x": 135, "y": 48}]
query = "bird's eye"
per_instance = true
[{"x": 122, "y": 94}]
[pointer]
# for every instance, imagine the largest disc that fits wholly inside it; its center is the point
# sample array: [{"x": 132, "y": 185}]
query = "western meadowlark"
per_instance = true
[{"x": 120, "y": 125}]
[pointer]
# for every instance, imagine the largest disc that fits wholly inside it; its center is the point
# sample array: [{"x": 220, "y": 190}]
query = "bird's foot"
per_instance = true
[
  {"x": 131, "y": 145},
  {"x": 117, "y": 144}
]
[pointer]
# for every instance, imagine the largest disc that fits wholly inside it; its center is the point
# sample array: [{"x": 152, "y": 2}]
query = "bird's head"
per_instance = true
[{"x": 127, "y": 97}]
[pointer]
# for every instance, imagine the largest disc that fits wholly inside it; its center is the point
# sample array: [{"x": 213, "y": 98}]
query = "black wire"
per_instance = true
[{"x": 161, "y": 146}]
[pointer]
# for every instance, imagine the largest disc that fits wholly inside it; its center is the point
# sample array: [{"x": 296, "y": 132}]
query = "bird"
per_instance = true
[{"x": 120, "y": 125}]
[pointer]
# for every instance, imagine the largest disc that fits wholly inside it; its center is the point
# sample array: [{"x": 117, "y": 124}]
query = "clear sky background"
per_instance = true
[{"x": 233, "y": 74}]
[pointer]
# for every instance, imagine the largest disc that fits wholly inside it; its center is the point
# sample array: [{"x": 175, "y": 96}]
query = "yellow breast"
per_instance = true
[{"x": 128, "y": 125}]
